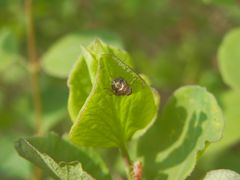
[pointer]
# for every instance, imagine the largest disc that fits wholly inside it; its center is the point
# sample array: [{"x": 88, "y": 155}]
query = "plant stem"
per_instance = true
[
  {"x": 34, "y": 66},
  {"x": 127, "y": 161},
  {"x": 34, "y": 73}
]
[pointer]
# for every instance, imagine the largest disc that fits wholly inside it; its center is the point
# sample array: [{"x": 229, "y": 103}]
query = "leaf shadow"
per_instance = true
[
  {"x": 173, "y": 123},
  {"x": 193, "y": 133}
]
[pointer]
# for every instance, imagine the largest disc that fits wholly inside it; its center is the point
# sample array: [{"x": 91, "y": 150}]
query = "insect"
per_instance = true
[{"x": 120, "y": 87}]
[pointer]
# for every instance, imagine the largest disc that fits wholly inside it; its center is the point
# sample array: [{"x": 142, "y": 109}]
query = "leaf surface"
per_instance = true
[
  {"x": 222, "y": 174},
  {"x": 229, "y": 58},
  {"x": 190, "y": 120},
  {"x": 61, "y": 159},
  {"x": 102, "y": 118},
  {"x": 231, "y": 135}
]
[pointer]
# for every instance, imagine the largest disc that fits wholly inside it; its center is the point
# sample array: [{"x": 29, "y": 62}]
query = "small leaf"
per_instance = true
[
  {"x": 101, "y": 118},
  {"x": 12, "y": 67},
  {"x": 229, "y": 58},
  {"x": 61, "y": 159},
  {"x": 190, "y": 120},
  {"x": 60, "y": 58},
  {"x": 222, "y": 174},
  {"x": 16, "y": 72}
]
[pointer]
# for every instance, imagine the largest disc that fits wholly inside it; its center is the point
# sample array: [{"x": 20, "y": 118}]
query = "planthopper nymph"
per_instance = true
[{"x": 120, "y": 87}]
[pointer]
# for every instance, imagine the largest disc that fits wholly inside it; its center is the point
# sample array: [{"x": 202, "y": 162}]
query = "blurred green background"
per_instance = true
[{"x": 173, "y": 42}]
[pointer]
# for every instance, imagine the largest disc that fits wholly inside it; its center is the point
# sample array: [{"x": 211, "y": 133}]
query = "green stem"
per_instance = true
[
  {"x": 34, "y": 66},
  {"x": 34, "y": 75},
  {"x": 128, "y": 161}
]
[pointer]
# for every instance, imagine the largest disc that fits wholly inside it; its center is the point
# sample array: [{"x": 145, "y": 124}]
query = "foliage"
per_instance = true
[
  {"x": 59, "y": 64},
  {"x": 61, "y": 159},
  {"x": 103, "y": 119},
  {"x": 229, "y": 59},
  {"x": 188, "y": 51},
  {"x": 190, "y": 120},
  {"x": 222, "y": 174}
]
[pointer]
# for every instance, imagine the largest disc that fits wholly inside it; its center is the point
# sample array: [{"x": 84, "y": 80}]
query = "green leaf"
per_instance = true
[
  {"x": 220, "y": 154},
  {"x": 190, "y": 120},
  {"x": 12, "y": 165},
  {"x": 229, "y": 58},
  {"x": 222, "y": 174},
  {"x": 231, "y": 135},
  {"x": 101, "y": 118},
  {"x": 60, "y": 58},
  {"x": 16, "y": 72},
  {"x": 12, "y": 67},
  {"x": 61, "y": 159}
]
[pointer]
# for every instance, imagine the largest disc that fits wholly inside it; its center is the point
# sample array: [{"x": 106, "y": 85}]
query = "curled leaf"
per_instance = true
[{"x": 102, "y": 117}]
